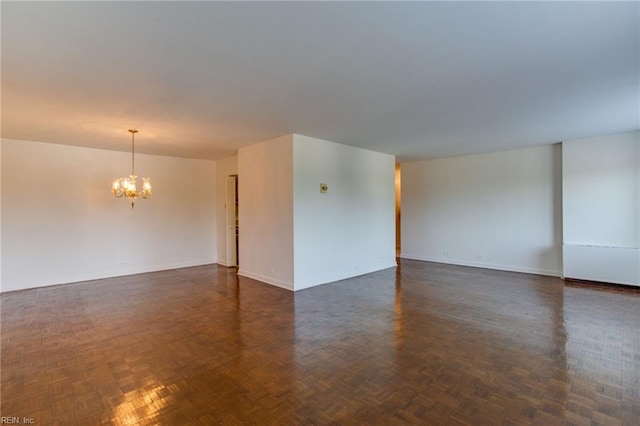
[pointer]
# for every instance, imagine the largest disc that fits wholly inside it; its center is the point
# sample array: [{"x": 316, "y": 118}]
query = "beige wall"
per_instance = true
[
  {"x": 265, "y": 194},
  {"x": 350, "y": 229},
  {"x": 61, "y": 223},
  {"x": 500, "y": 210}
]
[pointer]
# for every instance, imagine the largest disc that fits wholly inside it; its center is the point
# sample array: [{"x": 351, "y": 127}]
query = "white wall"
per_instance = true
[
  {"x": 601, "y": 208},
  {"x": 265, "y": 197},
  {"x": 500, "y": 210},
  {"x": 224, "y": 169},
  {"x": 60, "y": 222},
  {"x": 600, "y": 190},
  {"x": 350, "y": 230},
  {"x": 1, "y": 144}
]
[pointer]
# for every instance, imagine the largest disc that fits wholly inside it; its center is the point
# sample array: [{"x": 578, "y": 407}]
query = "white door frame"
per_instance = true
[{"x": 232, "y": 220}]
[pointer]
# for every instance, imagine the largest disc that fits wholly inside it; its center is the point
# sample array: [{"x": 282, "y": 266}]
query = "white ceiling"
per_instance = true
[{"x": 414, "y": 79}]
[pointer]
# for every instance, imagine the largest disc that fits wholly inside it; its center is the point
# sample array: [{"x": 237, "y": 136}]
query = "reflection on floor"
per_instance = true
[{"x": 425, "y": 343}]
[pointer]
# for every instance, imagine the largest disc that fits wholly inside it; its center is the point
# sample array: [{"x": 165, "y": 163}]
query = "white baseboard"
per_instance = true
[
  {"x": 346, "y": 277},
  {"x": 78, "y": 278},
  {"x": 265, "y": 279},
  {"x": 483, "y": 265}
]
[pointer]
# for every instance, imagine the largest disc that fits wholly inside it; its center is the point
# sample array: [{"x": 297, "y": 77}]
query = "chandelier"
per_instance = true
[{"x": 126, "y": 186}]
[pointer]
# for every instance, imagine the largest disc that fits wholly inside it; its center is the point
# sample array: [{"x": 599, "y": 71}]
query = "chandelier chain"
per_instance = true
[{"x": 133, "y": 148}]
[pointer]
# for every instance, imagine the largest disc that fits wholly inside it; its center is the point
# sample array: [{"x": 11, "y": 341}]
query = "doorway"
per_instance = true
[{"x": 233, "y": 231}]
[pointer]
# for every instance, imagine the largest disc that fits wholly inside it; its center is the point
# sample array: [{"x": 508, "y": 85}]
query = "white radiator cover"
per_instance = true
[{"x": 619, "y": 265}]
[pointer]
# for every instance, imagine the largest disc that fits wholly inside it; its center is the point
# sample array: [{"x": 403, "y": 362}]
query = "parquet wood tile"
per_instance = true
[{"x": 421, "y": 344}]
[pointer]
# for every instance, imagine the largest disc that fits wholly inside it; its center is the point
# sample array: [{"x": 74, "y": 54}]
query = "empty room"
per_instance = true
[{"x": 310, "y": 213}]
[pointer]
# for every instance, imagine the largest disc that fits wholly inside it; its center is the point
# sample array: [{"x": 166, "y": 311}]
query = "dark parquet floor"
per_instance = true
[{"x": 423, "y": 344}]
